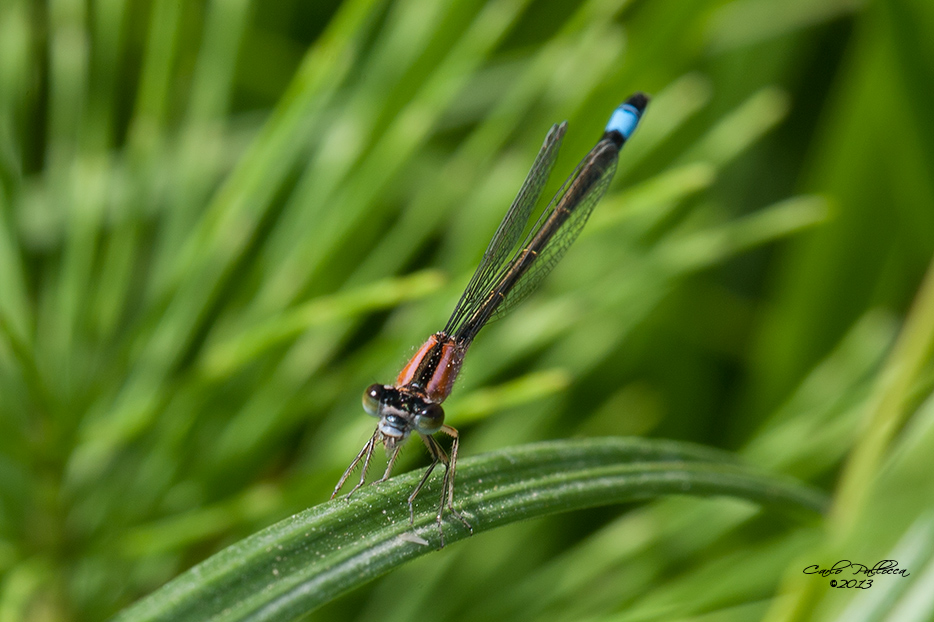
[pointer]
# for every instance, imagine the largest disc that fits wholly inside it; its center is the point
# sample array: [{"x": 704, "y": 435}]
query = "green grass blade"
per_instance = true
[
  {"x": 225, "y": 357},
  {"x": 302, "y": 562},
  {"x": 402, "y": 137},
  {"x": 890, "y": 409},
  {"x": 216, "y": 243}
]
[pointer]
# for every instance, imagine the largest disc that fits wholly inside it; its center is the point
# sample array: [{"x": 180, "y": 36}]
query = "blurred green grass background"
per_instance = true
[{"x": 222, "y": 220}]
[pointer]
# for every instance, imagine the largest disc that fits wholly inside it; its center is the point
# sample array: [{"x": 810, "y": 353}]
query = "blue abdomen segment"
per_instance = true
[{"x": 626, "y": 117}]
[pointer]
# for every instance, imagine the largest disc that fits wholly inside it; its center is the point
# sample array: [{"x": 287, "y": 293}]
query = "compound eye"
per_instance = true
[
  {"x": 429, "y": 419},
  {"x": 371, "y": 399}
]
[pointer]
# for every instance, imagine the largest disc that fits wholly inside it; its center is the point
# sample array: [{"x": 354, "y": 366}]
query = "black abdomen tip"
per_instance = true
[{"x": 638, "y": 100}]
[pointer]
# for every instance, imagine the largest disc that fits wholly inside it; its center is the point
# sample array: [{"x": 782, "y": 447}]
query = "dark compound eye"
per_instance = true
[
  {"x": 429, "y": 419},
  {"x": 371, "y": 399}
]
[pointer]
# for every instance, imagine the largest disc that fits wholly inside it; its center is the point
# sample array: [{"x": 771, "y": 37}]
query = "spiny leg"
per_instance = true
[
  {"x": 353, "y": 465},
  {"x": 418, "y": 489},
  {"x": 392, "y": 461},
  {"x": 366, "y": 466},
  {"x": 449, "y": 473},
  {"x": 365, "y": 454},
  {"x": 438, "y": 455}
]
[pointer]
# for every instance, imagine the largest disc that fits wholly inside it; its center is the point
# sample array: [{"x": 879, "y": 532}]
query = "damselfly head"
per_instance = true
[{"x": 400, "y": 411}]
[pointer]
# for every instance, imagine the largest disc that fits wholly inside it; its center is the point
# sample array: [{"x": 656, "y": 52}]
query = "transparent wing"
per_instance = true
[
  {"x": 558, "y": 245},
  {"x": 504, "y": 241}
]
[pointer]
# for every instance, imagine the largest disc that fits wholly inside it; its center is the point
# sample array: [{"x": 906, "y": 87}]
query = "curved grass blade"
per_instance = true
[{"x": 304, "y": 561}]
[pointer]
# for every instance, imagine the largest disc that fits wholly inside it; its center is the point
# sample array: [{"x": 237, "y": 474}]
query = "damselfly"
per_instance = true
[{"x": 503, "y": 278}]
